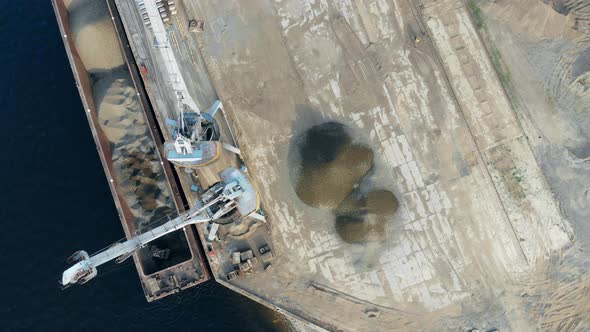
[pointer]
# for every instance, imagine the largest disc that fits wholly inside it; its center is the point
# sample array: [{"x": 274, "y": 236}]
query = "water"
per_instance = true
[{"x": 56, "y": 200}]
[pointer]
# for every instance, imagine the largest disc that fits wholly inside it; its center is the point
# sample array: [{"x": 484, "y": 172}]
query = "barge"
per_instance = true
[{"x": 185, "y": 267}]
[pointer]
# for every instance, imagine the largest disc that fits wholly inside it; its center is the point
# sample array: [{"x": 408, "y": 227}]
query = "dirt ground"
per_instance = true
[
  {"x": 549, "y": 71},
  {"x": 476, "y": 213},
  {"x": 479, "y": 239},
  {"x": 544, "y": 50}
]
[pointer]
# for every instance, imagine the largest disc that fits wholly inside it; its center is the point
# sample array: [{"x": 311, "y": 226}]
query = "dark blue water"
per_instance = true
[{"x": 55, "y": 200}]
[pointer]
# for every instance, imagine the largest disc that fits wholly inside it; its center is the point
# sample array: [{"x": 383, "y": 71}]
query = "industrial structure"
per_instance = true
[
  {"x": 414, "y": 83},
  {"x": 195, "y": 139},
  {"x": 224, "y": 203},
  {"x": 195, "y": 135}
]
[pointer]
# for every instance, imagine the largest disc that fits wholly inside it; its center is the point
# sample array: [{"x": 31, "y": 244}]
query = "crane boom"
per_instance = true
[
  {"x": 85, "y": 267},
  {"x": 233, "y": 194}
]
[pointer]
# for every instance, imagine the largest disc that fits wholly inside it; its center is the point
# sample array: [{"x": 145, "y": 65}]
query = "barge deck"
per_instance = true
[{"x": 157, "y": 282}]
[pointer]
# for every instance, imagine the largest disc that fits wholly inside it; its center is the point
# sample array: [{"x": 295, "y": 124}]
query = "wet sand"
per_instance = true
[
  {"x": 328, "y": 184},
  {"x": 118, "y": 111},
  {"x": 94, "y": 35},
  {"x": 363, "y": 219},
  {"x": 329, "y": 165},
  {"x": 329, "y": 168}
]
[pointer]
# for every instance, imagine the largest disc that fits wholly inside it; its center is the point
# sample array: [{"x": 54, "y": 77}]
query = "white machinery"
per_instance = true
[
  {"x": 84, "y": 267},
  {"x": 195, "y": 134},
  {"x": 233, "y": 196}
]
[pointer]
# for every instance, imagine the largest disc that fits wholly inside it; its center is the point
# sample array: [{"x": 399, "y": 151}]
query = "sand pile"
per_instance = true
[
  {"x": 94, "y": 34},
  {"x": 119, "y": 110},
  {"x": 329, "y": 165},
  {"x": 381, "y": 203},
  {"x": 136, "y": 167},
  {"x": 327, "y": 185},
  {"x": 330, "y": 169},
  {"x": 363, "y": 218},
  {"x": 141, "y": 178},
  {"x": 98, "y": 47},
  {"x": 352, "y": 230}
]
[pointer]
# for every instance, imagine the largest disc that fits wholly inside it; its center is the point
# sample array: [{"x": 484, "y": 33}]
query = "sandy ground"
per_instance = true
[
  {"x": 479, "y": 239},
  {"x": 94, "y": 35},
  {"x": 544, "y": 49},
  {"x": 475, "y": 210}
]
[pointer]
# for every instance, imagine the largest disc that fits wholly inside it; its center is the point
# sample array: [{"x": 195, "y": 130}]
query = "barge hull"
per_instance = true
[{"x": 126, "y": 216}]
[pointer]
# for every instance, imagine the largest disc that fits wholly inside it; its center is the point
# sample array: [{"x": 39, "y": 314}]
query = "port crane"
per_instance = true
[
  {"x": 234, "y": 196},
  {"x": 194, "y": 140}
]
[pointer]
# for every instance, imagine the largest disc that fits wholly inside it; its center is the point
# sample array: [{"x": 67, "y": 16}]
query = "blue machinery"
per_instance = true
[{"x": 234, "y": 197}]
